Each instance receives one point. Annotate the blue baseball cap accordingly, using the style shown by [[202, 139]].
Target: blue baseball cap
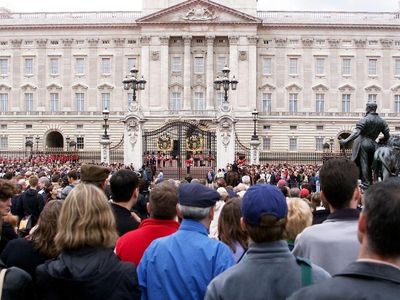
[[197, 195], [263, 199]]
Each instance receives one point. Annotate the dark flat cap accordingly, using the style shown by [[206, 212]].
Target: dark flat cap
[[197, 195], [94, 173]]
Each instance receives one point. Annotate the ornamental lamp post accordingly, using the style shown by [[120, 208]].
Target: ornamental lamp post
[[106, 114], [255, 119], [225, 83], [67, 139], [37, 139], [331, 140], [131, 82]]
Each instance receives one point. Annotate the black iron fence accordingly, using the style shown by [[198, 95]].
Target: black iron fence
[[54, 155], [312, 158]]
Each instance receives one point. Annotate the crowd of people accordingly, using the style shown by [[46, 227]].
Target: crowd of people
[[88, 231]]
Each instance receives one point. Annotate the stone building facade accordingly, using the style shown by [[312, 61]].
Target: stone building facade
[[309, 74]]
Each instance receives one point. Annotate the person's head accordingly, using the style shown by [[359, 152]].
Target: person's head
[[379, 221], [7, 190], [223, 193], [72, 176], [299, 217], [196, 201], [55, 178], [294, 192], [33, 181], [86, 220], [42, 182], [163, 201], [95, 175], [220, 182], [229, 230], [339, 182], [264, 212], [246, 179], [124, 185], [43, 236]]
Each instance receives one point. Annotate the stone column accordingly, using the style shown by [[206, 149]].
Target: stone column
[[133, 140], [145, 71], [251, 100], [15, 69], [42, 70], [187, 72], [93, 74], [67, 69], [255, 151], [105, 149], [225, 140], [164, 73], [233, 66], [210, 73]]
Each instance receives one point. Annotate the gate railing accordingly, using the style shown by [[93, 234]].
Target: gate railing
[[313, 158]]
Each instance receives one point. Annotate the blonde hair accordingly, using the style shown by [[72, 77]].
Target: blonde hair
[[86, 220], [299, 217]]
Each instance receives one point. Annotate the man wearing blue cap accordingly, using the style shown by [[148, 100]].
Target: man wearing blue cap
[[181, 265], [268, 270]]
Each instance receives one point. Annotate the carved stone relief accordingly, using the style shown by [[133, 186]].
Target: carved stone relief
[[280, 42], [155, 55], [199, 13], [225, 129], [242, 55], [132, 127]]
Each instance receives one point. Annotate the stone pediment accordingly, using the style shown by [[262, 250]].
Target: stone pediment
[[373, 88], [346, 87], [105, 86], [54, 86], [293, 87], [198, 11], [28, 86], [79, 86], [266, 87], [320, 87]]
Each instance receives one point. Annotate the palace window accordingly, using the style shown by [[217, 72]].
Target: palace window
[[346, 66], [199, 65], [293, 102], [4, 66], [319, 66], [346, 103], [28, 101], [176, 101], [266, 102], [319, 103], [372, 66], [372, 98], [176, 64], [80, 65], [293, 144], [105, 65], [132, 63], [105, 101], [54, 66], [267, 66], [80, 101], [3, 102], [397, 103], [80, 142], [28, 66], [54, 102], [198, 101], [397, 67], [319, 143], [266, 143], [293, 66]]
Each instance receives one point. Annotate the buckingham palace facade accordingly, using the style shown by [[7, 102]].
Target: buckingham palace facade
[[309, 74]]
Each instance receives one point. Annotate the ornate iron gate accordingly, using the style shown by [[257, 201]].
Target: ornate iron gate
[[180, 148], [242, 153]]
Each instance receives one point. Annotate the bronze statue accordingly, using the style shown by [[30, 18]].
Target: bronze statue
[[364, 135], [387, 159]]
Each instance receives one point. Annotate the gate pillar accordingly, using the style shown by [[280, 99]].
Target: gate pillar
[[133, 144], [225, 140]]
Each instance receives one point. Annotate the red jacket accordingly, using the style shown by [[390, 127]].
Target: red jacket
[[131, 246]]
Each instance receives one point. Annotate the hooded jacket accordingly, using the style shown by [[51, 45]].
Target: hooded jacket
[[30, 203], [88, 273]]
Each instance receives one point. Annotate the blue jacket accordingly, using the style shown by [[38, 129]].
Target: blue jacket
[[180, 266]]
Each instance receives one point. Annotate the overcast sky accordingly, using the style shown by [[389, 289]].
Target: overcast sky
[[124, 5]]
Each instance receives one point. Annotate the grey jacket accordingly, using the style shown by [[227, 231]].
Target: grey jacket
[[267, 271], [360, 280], [333, 244]]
